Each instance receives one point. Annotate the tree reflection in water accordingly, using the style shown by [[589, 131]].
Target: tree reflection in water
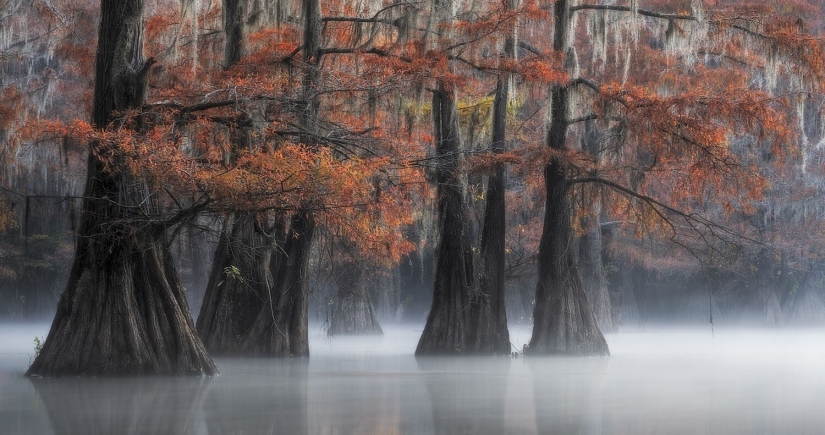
[[123, 406], [567, 393], [461, 402], [258, 396]]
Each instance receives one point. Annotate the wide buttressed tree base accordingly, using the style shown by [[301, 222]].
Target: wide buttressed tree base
[[563, 320], [123, 311], [239, 284], [447, 330], [280, 326], [256, 300]]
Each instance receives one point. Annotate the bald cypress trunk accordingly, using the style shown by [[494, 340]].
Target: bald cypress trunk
[[123, 311], [590, 246], [256, 301], [563, 321], [448, 322], [238, 284], [280, 327], [591, 268], [240, 280], [490, 334]]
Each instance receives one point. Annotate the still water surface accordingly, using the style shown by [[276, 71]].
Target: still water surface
[[696, 382]]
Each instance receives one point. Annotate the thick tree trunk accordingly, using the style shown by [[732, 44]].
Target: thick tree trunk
[[238, 285], [234, 24], [123, 311], [592, 273], [489, 334], [241, 280], [590, 246], [353, 313], [280, 327], [448, 323], [563, 321]]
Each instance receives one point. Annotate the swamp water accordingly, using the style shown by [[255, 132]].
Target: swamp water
[[695, 382]]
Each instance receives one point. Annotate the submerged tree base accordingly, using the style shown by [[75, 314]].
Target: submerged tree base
[[126, 315], [566, 325], [239, 285]]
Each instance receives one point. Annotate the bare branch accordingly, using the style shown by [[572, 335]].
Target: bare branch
[[643, 12]]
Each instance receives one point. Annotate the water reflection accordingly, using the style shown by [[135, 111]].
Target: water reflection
[[352, 395], [567, 394], [467, 395], [688, 382], [127, 406], [258, 396]]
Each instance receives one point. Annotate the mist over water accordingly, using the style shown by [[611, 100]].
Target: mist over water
[[731, 381]]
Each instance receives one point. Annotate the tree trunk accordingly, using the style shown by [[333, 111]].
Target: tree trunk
[[446, 330], [241, 279], [199, 266], [490, 334], [353, 313], [563, 321], [590, 245], [234, 25], [280, 326], [123, 311], [592, 273], [238, 285]]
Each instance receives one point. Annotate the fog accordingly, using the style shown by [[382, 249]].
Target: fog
[[725, 381]]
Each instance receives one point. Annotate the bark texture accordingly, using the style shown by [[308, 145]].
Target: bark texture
[[234, 25], [240, 280], [280, 326], [590, 244], [489, 334], [123, 311], [256, 299], [563, 321], [238, 286], [591, 268], [448, 322]]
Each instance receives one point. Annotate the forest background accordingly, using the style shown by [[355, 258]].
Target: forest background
[[376, 148]]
